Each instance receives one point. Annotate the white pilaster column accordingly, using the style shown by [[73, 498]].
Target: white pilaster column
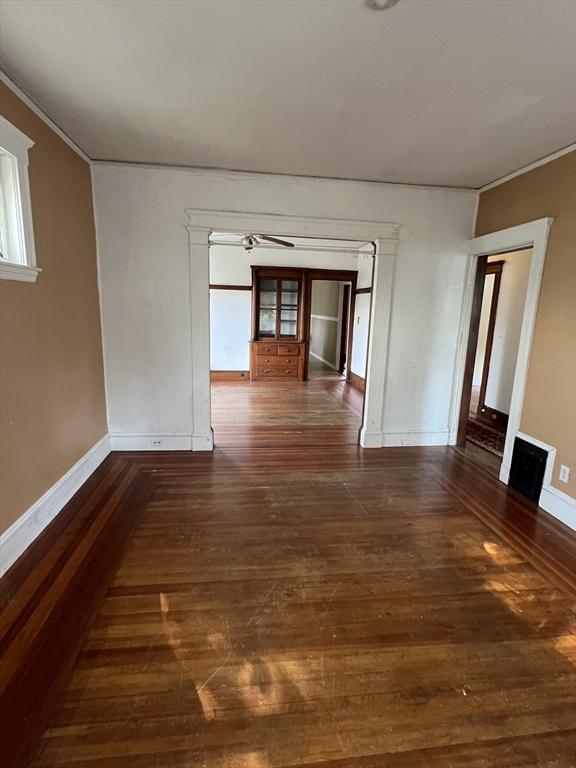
[[202, 435], [371, 434]]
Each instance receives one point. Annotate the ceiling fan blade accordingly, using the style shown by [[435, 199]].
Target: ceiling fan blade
[[276, 240]]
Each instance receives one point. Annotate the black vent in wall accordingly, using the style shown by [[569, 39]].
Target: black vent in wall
[[527, 470]]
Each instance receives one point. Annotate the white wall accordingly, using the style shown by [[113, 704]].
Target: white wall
[[360, 338], [230, 328], [325, 312], [231, 264], [483, 330], [507, 328], [145, 285]]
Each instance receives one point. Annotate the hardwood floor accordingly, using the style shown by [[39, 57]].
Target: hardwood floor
[[279, 605], [319, 370], [316, 412], [488, 461]]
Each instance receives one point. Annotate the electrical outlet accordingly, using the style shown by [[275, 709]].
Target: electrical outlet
[[564, 473], [157, 442]]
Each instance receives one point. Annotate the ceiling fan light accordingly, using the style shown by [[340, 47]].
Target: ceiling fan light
[[248, 242], [381, 5]]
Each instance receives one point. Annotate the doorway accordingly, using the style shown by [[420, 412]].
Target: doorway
[[382, 236], [494, 339], [330, 328], [281, 338]]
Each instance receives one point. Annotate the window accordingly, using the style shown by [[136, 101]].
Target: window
[[17, 255]]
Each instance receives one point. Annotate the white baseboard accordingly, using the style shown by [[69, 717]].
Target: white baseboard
[[415, 438], [322, 360], [370, 439], [203, 441], [122, 441], [387, 439], [560, 505], [22, 533]]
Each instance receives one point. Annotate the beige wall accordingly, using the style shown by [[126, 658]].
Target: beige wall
[[51, 379], [324, 302], [325, 299], [549, 412]]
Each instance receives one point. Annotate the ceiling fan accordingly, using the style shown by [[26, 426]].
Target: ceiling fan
[[249, 241]]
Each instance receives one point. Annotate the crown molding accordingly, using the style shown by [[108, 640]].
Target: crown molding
[[232, 173], [43, 116], [527, 168]]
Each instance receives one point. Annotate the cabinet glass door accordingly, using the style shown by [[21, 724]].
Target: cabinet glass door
[[277, 307], [288, 308], [268, 291]]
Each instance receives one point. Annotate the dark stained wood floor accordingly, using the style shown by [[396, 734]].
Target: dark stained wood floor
[[280, 606]]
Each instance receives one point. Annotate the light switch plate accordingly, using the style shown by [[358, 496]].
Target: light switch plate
[[564, 473]]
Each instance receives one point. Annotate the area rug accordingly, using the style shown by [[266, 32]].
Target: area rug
[[485, 437]]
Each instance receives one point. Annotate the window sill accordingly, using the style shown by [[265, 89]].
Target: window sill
[[22, 272]]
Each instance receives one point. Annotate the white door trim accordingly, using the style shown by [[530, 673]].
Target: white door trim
[[533, 234], [384, 234]]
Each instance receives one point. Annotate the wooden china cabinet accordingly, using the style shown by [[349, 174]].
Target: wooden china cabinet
[[278, 347]]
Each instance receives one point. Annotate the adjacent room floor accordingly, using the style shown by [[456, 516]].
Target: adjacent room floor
[[484, 445], [283, 605], [316, 412]]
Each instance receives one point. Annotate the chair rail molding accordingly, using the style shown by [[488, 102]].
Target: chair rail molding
[[384, 235], [532, 234]]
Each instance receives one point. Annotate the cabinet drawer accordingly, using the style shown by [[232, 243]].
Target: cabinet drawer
[[286, 360], [267, 372], [288, 349], [266, 349]]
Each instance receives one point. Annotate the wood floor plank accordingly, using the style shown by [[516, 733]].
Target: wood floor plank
[[280, 605]]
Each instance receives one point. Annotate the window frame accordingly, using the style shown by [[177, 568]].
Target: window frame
[[14, 147]]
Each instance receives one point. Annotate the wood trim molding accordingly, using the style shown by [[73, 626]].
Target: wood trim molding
[[21, 243], [24, 273], [20, 535], [533, 234], [493, 418], [199, 256], [363, 290], [372, 434], [229, 375], [291, 225], [341, 276], [219, 287], [358, 382], [43, 116], [384, 235], [527, 168]]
